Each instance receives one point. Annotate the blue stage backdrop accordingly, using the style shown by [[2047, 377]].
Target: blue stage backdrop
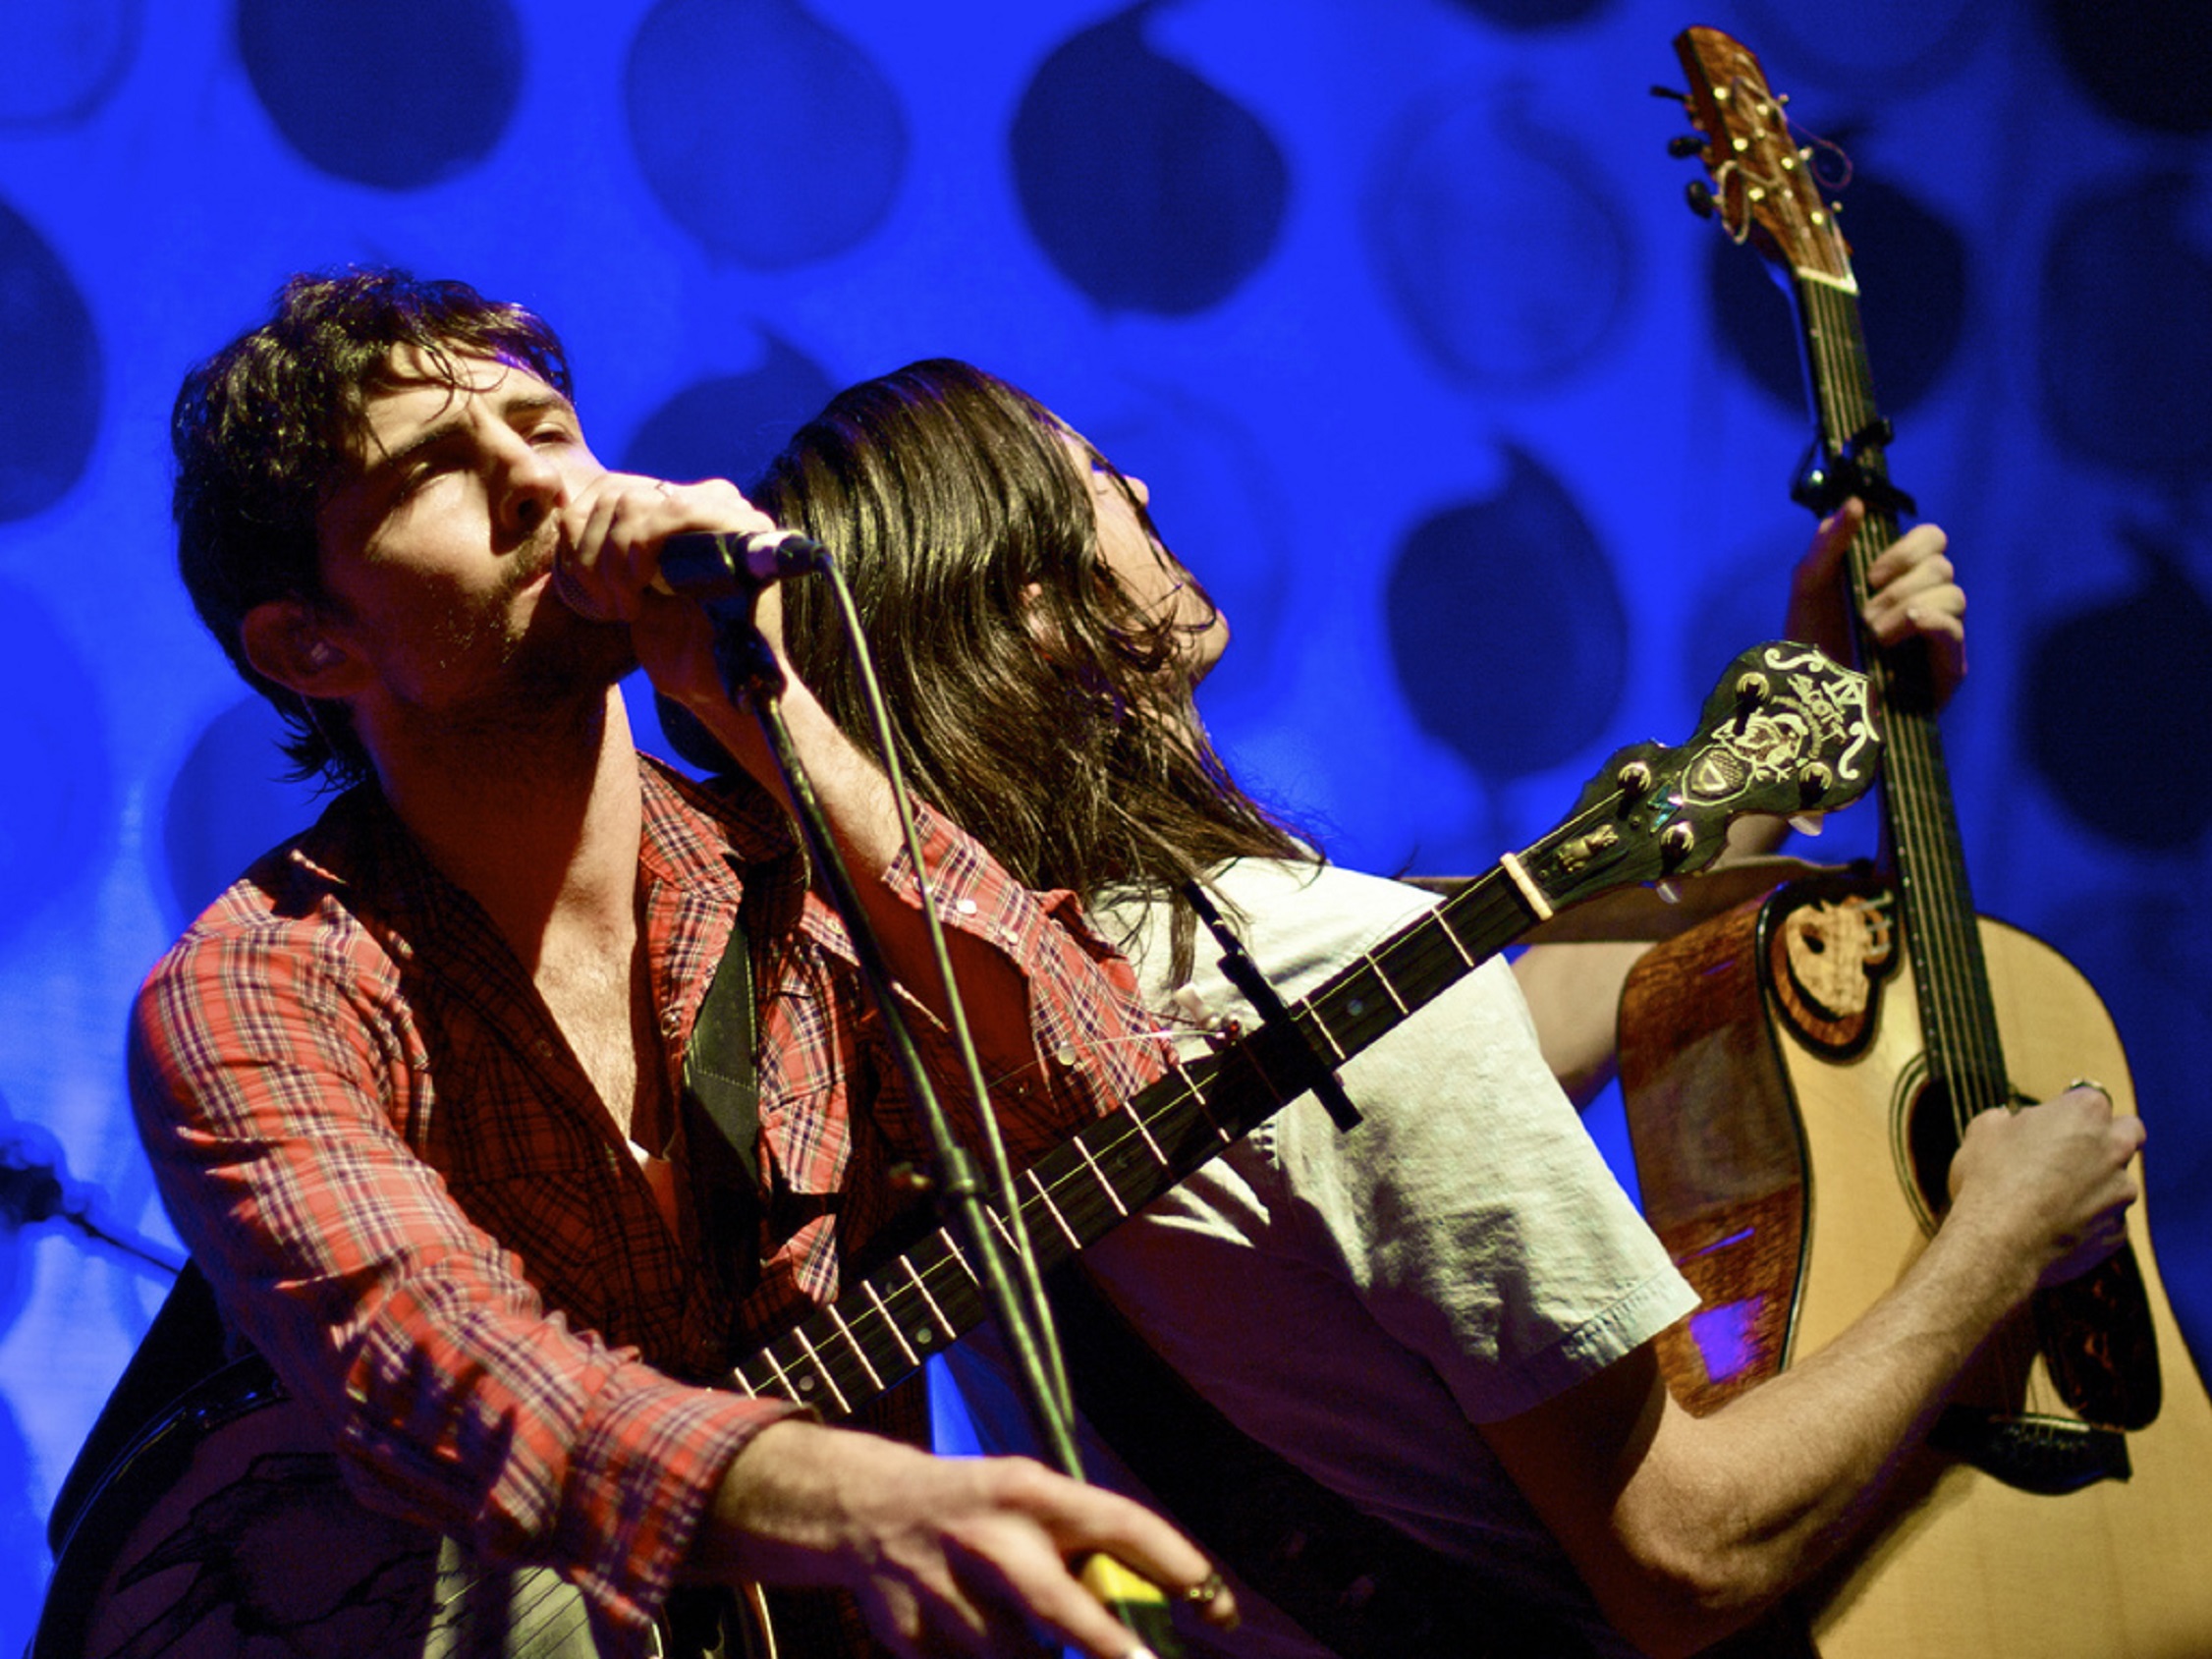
[[1482, 440]]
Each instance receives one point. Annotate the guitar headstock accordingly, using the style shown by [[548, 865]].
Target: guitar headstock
[[1762, 183], [1785, 730]]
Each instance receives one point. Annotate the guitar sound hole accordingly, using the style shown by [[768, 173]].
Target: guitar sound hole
[[1931, 1141]]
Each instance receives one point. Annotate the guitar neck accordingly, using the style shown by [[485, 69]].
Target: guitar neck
[[1943, 936], [883, 1328]]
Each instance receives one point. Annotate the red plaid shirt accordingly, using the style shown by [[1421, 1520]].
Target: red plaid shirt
[[387, 1160]]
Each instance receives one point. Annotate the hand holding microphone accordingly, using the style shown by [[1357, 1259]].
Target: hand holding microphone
[[686, 566], [622, 537]]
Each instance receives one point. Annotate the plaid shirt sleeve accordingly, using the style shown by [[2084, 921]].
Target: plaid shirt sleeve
[[270, 1064], [1090, 1044]]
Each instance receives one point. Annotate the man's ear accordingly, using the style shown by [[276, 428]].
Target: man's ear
[[287, 642]]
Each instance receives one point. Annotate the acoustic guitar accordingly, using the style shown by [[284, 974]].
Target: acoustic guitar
[[225, 1531], [1797, 1075]]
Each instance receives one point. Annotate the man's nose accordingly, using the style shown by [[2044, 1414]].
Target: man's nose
[[530, 485]]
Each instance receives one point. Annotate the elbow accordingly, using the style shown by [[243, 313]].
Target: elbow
[[1684, 1592]]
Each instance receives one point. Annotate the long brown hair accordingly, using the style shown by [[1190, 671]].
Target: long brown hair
[[1032, 697]]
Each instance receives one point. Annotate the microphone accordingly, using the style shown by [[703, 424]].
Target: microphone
[[707, 565], [30, 1190]]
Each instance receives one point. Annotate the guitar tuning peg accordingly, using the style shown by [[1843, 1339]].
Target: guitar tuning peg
[[1669, 92], [1701, 197], [1685, 145]]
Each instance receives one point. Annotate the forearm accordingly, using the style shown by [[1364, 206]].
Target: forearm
[[2042, 1193], [1740, 1507], [1755, 835], [1573, 994]]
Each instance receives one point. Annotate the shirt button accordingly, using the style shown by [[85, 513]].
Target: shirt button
[[668, 1020], [966, 907], [1067, 1054]]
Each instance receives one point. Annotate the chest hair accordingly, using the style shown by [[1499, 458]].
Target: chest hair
[[602, 1002]]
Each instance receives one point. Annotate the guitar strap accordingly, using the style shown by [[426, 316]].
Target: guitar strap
[[721, 1106], [1352, 1583]]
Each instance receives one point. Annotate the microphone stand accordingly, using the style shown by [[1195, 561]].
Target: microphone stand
[[32, 1190], [752, 677]]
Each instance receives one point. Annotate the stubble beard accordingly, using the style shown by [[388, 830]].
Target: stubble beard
[[547, 673]]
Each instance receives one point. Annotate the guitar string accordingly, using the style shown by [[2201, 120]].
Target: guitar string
[[1852, 410], [1960, 1030], [1844, 396], [1939, 959]]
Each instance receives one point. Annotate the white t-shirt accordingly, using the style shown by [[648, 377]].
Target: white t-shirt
[[1358, 1302]]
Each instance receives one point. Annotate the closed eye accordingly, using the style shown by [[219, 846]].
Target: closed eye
[[422, 473]]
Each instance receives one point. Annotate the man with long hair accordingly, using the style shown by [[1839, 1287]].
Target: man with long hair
[[419, 1090], [1443, 1316]]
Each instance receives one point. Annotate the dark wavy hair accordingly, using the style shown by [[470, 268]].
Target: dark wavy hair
[[263, 432], [1032, 697]]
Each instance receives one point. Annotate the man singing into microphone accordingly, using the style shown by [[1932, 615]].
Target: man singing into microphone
[[415, 1087]]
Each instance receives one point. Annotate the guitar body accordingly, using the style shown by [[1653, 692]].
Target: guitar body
[[225, 1531], [1774, 1074]]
